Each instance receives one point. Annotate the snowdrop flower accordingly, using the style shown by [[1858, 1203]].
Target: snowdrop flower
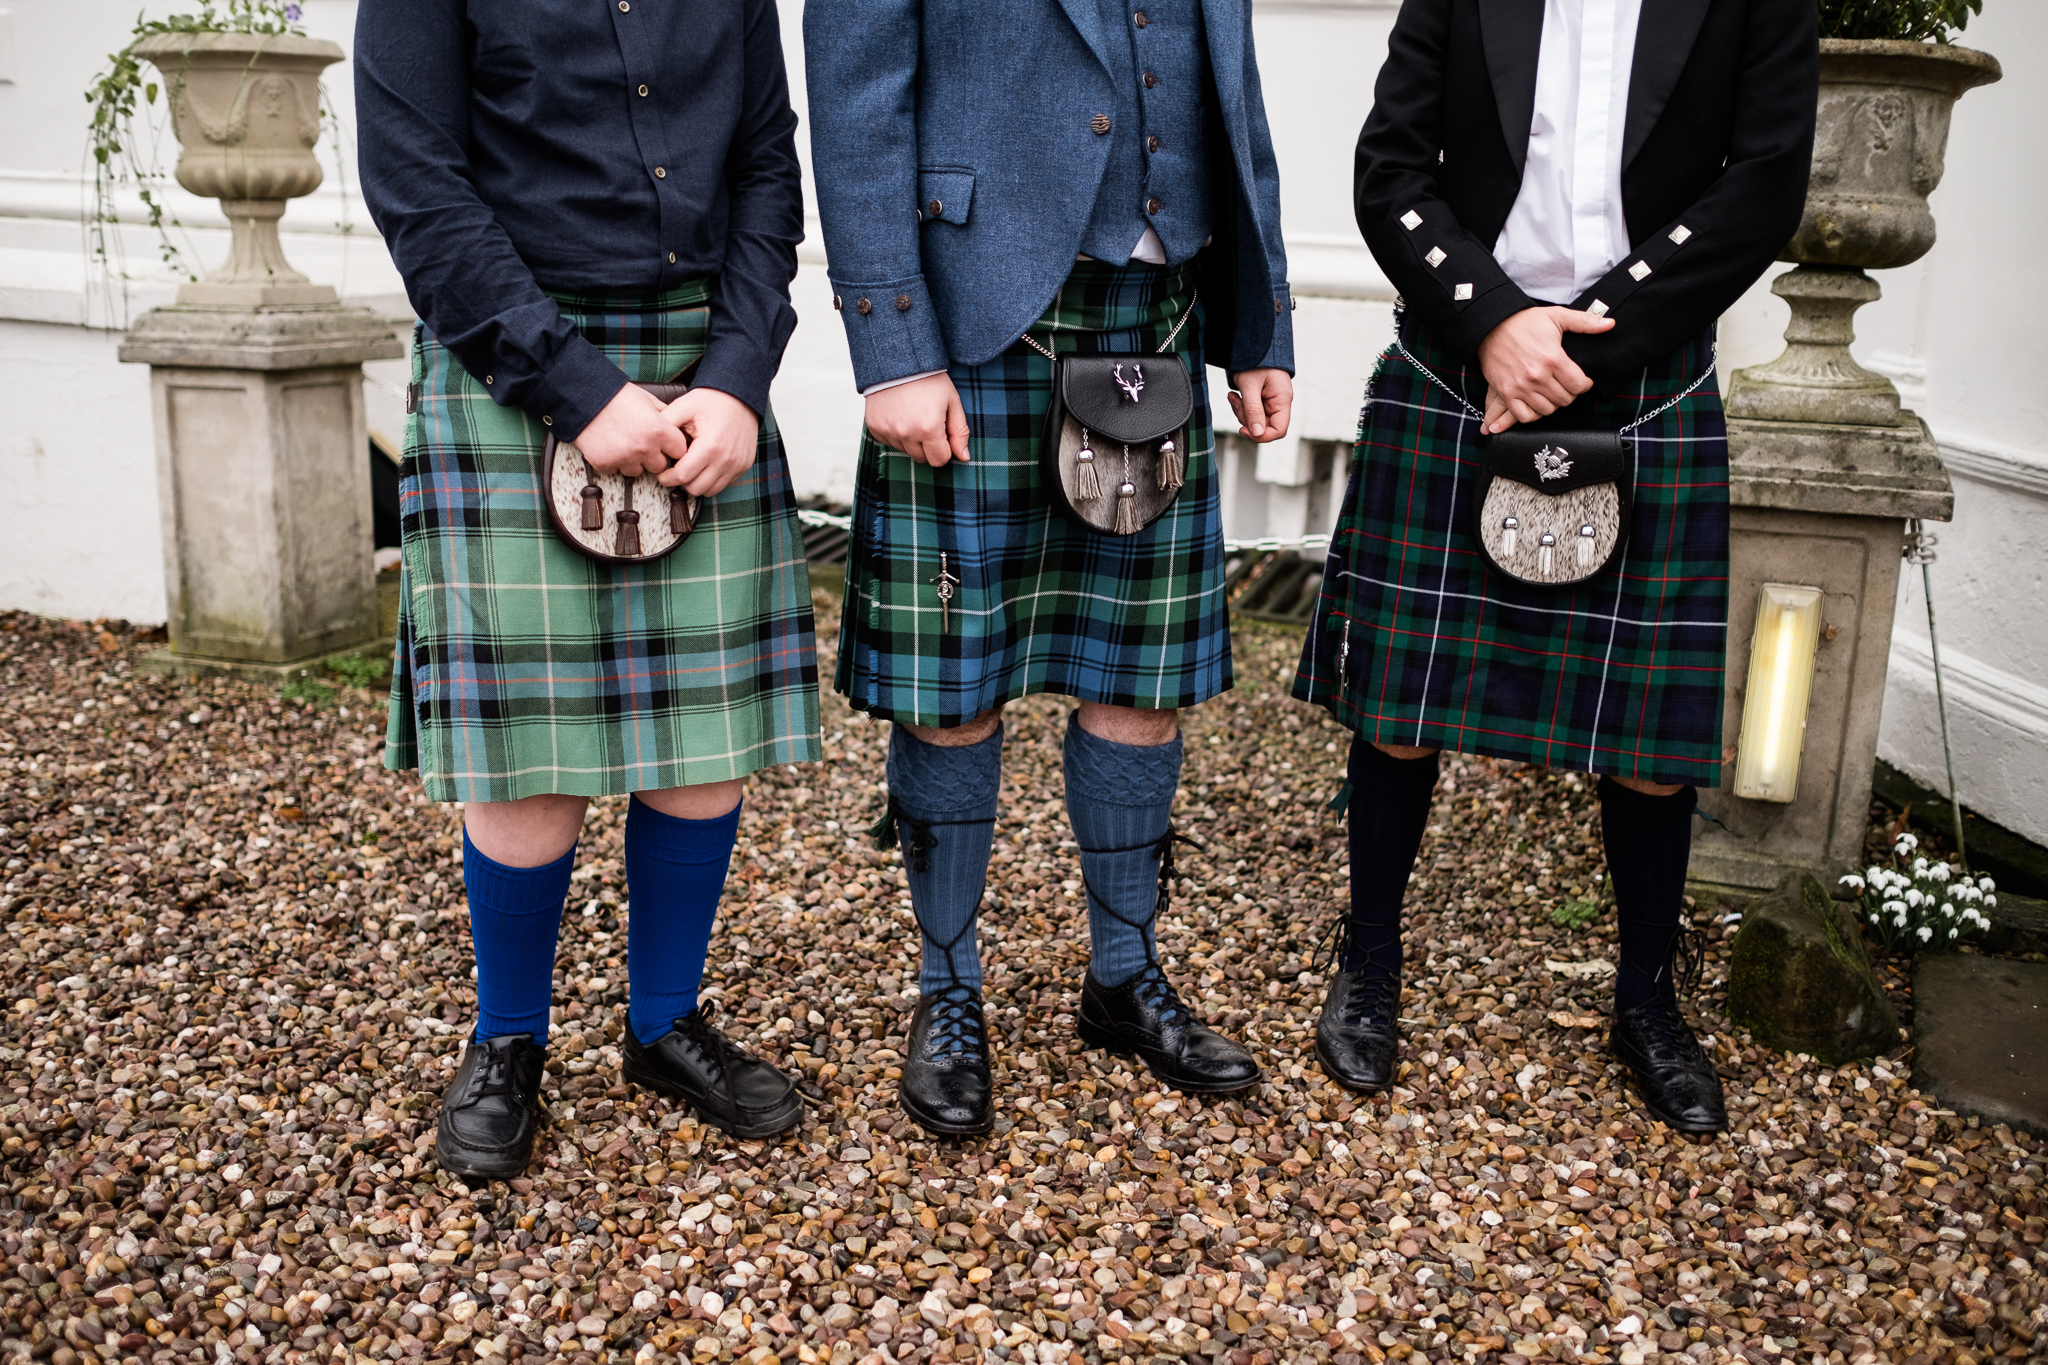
[[1951, 933], [1991, 902], [1895, 907], [1914, 898], [1874, 873], [1986, 884], [1948, 910], [1925, 933], [1853, 882], [1900, 922], [1939, 871], [1919, 867]]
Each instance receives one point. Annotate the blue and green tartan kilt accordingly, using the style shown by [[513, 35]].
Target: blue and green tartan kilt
[[1418, 640], [1043, 605], [523, 667]]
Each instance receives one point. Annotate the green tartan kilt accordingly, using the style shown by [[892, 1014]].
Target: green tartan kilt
[[523, 667], [1418, 640], [1042, 604]]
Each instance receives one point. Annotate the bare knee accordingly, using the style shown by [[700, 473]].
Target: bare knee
[[701, 801], [529, 832], [1404, 750], [958, 736], [1128, 724]]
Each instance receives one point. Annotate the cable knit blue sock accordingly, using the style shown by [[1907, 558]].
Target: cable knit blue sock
[[945, 817], [515, 914], [1119, 797], [675, 873]]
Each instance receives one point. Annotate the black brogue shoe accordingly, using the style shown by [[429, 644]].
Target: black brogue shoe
[[946, 1083], [1357, 1036], [1677, 1082], [1144, 1017]]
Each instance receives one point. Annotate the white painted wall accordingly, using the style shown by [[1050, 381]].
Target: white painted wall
[[1960, 331]]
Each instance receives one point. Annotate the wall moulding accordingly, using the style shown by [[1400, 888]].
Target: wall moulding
[[2003, 466]]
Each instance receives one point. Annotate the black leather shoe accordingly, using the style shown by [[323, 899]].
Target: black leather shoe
[[730, 1089], [491, 1109], [1677, 1083], [1145, 1017], [946, 1085], [1357, 1035]]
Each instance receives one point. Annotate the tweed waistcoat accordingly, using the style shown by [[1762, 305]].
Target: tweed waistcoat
[[1158, 56]]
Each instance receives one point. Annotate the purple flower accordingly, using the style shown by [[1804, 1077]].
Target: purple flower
[[292, 11]]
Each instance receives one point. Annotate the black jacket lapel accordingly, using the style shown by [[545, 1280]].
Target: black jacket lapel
[[1664, 38], [1511, 31]]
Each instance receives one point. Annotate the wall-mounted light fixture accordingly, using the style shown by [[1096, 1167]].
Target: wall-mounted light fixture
[[1781, 654]]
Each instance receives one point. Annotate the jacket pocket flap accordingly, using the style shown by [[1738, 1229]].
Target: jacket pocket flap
[[945, 195]]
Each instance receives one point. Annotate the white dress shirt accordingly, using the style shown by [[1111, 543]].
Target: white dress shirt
[[1567, 229]]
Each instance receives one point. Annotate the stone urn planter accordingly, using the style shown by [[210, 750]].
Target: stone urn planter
[[246, 110], [1877, 154]]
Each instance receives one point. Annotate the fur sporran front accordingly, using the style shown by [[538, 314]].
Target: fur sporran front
[[1553, 508], [609, 517]]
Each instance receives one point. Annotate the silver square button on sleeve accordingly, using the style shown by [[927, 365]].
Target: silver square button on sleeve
[[1435, 256]]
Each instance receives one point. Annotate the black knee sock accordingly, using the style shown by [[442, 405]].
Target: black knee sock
[[1649, 842], [1389, 811]]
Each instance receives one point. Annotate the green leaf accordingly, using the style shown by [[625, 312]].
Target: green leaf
[[149, 93]]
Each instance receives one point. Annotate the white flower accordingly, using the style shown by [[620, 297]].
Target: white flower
[[1853, 882], [1895, 907], [1986, 884], [1919, 867], [1874, 873], [1951, 933], [1900, 922], [1925, 933], [1948, 910], [1939, 871], [1914, 898], [1991, 902]]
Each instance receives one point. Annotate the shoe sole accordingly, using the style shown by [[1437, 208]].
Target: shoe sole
[[1095, 1036], [1330, 1070], [932, 1125], [748, 1131]]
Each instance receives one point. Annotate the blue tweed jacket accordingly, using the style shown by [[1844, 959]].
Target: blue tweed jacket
[[989, 109]]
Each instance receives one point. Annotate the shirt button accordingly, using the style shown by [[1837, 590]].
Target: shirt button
[[863, 307], [1100, 123], [1150, 80], [661, 172], [643, 92], [623, 6], [1154, 143], [903, 303], [547, 421], [1152, 206], [490, 379], [1139, 19], [934, 208], [671, 258]]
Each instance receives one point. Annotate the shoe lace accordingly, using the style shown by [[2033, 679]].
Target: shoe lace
[[1665, 1038], [955, 1021], [1378, 997], [1157, 994], [496, 1075], [720, 1053]]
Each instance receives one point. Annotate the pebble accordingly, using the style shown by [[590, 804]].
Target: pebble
[[237, 980]]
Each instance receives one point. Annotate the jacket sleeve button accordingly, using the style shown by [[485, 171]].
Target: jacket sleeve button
[[934, 208], [1279, 305], [863, 307], [903, 303], [837, 303], [1100, 123]]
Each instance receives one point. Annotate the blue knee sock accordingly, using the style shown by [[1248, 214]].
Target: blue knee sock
[[675, 873], [1120, 801], [515, 914], [945, 802]]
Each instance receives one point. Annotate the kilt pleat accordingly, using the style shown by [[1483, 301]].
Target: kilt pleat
[[1043, 605], [1418, 640], [524, 668]]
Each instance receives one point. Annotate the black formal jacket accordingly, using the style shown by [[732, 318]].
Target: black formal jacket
[[1717, 147]]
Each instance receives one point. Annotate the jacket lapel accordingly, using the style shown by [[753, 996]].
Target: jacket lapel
[[1664, 38], [1087, 17], [1511, 31]]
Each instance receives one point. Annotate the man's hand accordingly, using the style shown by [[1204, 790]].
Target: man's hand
[[923, 419], [1264, 404], [631, 435], [1528, 375], [722, 432]]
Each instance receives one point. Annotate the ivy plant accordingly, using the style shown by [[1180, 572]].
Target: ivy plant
[[125, 145], [1917, 21]]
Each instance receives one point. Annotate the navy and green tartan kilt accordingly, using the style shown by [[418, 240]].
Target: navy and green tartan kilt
[[1043, 605], [1418, 640], [524, 668]]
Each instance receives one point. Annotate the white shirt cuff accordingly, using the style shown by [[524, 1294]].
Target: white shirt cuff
[[874, 389]]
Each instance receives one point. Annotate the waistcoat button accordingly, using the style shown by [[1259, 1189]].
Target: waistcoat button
[[1150, 80], [1139, 19], [1152, 206]]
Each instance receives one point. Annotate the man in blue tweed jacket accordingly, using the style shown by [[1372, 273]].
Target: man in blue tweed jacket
[[1000, 181]]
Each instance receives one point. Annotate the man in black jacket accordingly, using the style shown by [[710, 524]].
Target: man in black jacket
[[1567, 193]]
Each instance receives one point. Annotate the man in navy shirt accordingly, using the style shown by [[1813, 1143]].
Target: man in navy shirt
[[584, 198]]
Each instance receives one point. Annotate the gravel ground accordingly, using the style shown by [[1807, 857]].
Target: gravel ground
[[237, 979]]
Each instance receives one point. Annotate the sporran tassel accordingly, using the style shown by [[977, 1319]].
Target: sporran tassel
[[678, 511], [1127, 509], [1087, 480], [626, 545], [593, 507], [1508, 527], [1544, 558], [1172, 468], [1585, 547]]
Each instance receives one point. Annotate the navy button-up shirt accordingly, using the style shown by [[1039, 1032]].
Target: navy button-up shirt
[[512, 148]]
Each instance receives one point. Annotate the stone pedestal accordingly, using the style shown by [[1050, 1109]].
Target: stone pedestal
[[1823, 505], [264, 482]]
